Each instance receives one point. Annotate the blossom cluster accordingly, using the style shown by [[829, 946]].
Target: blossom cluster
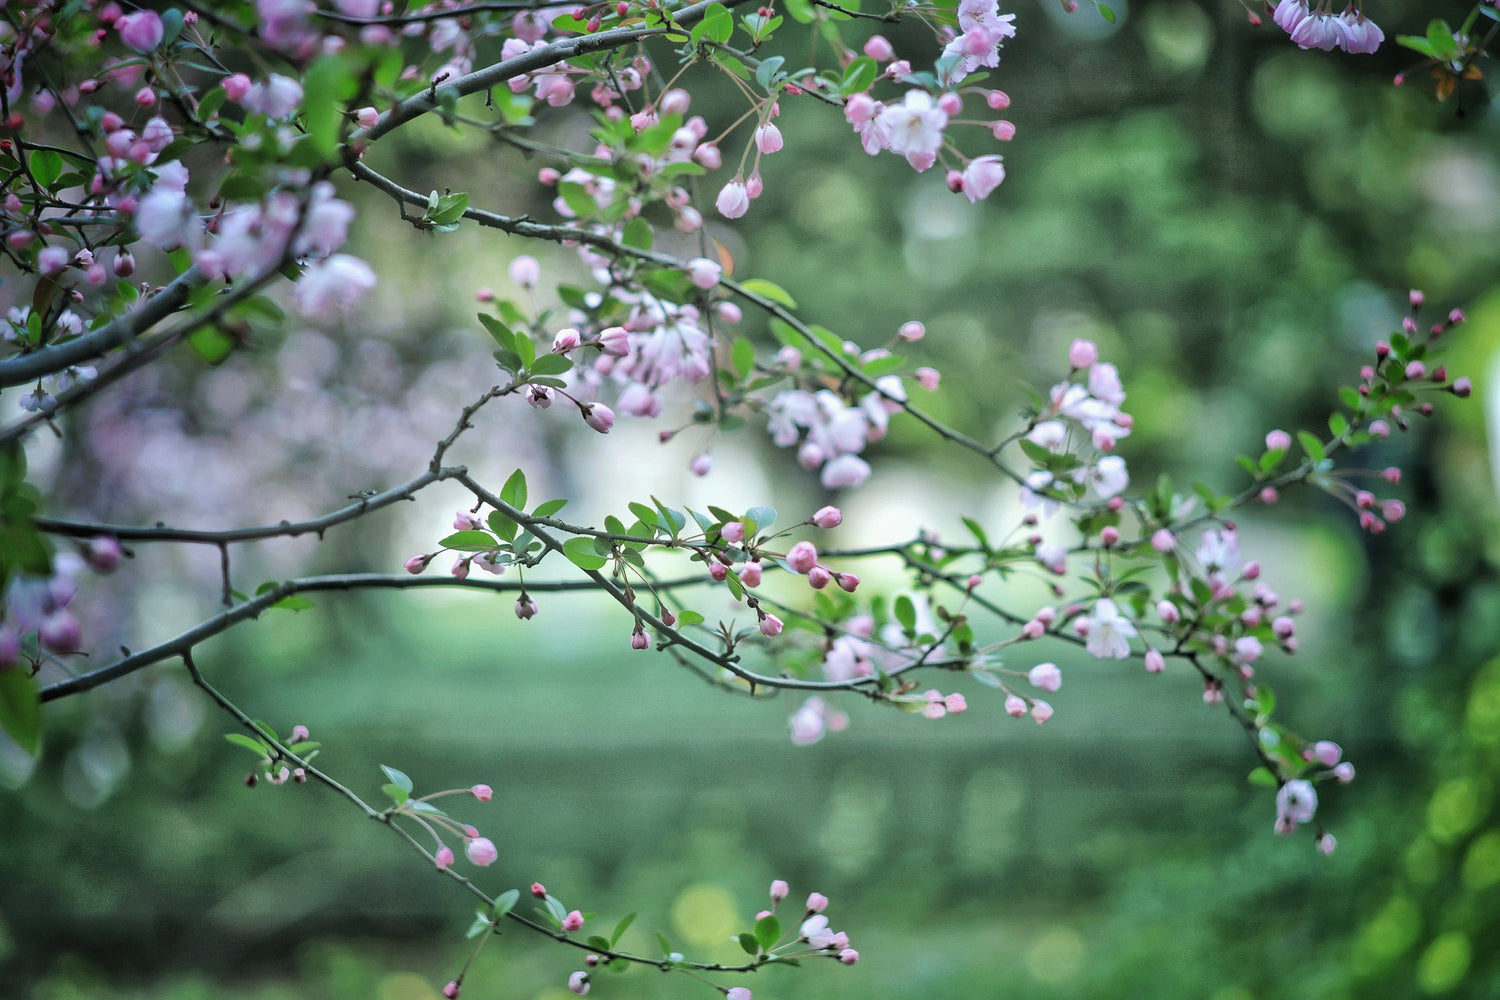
[[1318, 28], [36, 615]]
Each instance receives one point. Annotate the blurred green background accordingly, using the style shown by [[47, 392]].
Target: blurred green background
[[1233, 220]]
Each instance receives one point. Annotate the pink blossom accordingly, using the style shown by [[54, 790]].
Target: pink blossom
[[703, 273], [928, 378], [982, 175], [1296, 801], [1163, 540], [1278, 440], [817, 903], [578, 982], [638, 639], [1155, 662], [481, 851], [1247, 648], [779, 890], [819, 577], [802, 557], [877, 47], [844, 471], [483, 792], [1041, 711], [1344, 772], [416, 564], [1109, 631], [915, 127], [1326, 842], [573, 921], [1015, 705], [734, 200], [750, 574], [737, 993], [768, 138], [525, 271], [277, 97], [598, 416], [1082, 354], [912, 331], [1327, 752], [702, 464], [451, 990], [332, 285], [1045, 676], [444, 857], [828, 517], [848, 956], [538, 890], [142, 30]]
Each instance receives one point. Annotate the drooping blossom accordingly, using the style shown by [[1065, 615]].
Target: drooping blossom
[[1109, 632]]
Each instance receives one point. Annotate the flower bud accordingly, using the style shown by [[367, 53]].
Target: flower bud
[[802, 557], [770, 626], [1082, 354], [828, 517], [578, 982], [481, 851], [573, 921], [444, 857], [451, 990], [779, 890], [598, 416], [819, 577], [817, 903]]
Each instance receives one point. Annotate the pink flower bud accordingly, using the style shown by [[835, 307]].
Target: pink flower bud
[[538, 890], [704, 273], [819, 577], [848, 956], [103, 553], [444, 857], [1015, 705], [827, 517], [877, 47], [481, 851], [817, 903], [1155, 662], [1041, 711], [733, 200], [750, 574], [567, 339], [1415, 297], [573, 921], [847, 582], [299, 733], [1167, 612], [1082, 354], [1278, 440], [1045, 676], [1344, 772], [675, 102], [753, 186], [1163, 540], [1003, 130], [768, 139], [737, 993], [1269, 495], [417, 564], [770, 626], [912, 331], [1456, 316], [1461, 387], [779, 890], [732, 532], [1415, 369], [1326, 843], [1327, 752], [718, 571], [1379, 429], [598, 416], [638, 640], [483, 792], [1109, 536], [142, 30], [578, 982], [451, 990], [802, 557]]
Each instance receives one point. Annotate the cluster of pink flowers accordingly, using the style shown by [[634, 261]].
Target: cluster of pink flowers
[[479, 850], [813, 931], [1317, 27], [1083, 417], [830, 433], [36, 619]]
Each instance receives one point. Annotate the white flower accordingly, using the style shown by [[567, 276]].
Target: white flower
[[1297, 801], [1109, 632]]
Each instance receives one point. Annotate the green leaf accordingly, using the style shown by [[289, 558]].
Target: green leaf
[[859, 76], [498, 330], [905, 612], [328, 83], [504, 903], [717, 25], [292, 603], [397, 778], [46, 166], [397, 794], [580, 552], [768, 290], [514, 490], [472, 540], [644, 514], [801, 10], [767, 70], [1440, 38], [253, 745], [749, 944], [1311, 445], [763, 517], [767, 931], [1106, 12], [638, 233], [211, 344], [1338, 424], [620, 929], [743, 356], [502, 525], [550, 364], [549, 507], [689, 618]]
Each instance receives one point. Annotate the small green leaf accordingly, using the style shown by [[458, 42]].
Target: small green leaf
[[767, 931], [1106, 12], [768, 290], [905, 612], [580, 552], [502, 525], [620, 929], [504, 903], [550, 364], [397, 794], [763, 517], [549, 507], [292, 603], [472, 540], [1311, 446], [1338, 424], [749, 944], [689, 618], [46, 166], [21, 709], [253, 745], [514, 490], [743, 356], [397, 778], [859, 76], [638, 233]]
